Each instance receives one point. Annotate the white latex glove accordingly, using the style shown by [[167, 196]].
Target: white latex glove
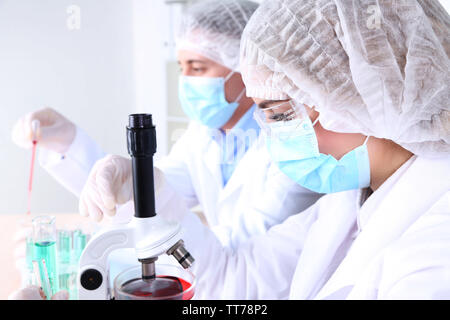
[[109, 185], [55, 133], [36, 293]]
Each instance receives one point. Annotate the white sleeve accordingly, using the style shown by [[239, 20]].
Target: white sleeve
[[281, 198], [176, 168], [261, 268], [72, 168]]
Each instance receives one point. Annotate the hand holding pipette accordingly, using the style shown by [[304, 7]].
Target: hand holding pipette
[[56, 133]]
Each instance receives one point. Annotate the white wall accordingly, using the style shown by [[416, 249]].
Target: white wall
[[156, 55], [86, 74]]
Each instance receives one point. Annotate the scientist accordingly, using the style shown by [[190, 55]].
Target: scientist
[[220, 163], [366, 101]]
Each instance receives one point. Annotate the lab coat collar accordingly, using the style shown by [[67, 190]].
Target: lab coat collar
[[366, 207], [211, 154], [241, 171], [212, 159], [404, 198], [324, 239]]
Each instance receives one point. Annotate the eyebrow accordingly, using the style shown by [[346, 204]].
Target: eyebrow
[[196, 61], [193, 61]]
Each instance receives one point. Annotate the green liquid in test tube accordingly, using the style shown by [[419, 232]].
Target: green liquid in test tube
[[79, 243], [66, 281], [44, 239]]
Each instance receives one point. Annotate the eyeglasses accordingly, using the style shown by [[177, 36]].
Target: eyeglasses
[[287, 117]]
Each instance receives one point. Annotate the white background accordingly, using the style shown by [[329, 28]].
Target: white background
[[114, 65], [446, 4]]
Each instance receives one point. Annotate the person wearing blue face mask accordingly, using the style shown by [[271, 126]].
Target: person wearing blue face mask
[[213, 97], [203, 99], [315, 171]]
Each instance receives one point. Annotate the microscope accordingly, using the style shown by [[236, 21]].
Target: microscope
[[148, 233]]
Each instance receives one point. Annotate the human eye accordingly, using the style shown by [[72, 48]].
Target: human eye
[[282, 116]]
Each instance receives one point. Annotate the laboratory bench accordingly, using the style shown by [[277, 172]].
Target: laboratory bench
[[10, 278]]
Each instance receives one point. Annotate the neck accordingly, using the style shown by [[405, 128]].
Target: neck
[[244, 105], [385, 158]]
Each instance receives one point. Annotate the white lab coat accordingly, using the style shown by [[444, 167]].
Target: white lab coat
[[395, 246], [256, 197]]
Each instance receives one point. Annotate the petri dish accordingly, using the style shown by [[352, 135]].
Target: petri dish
[[171, 283]]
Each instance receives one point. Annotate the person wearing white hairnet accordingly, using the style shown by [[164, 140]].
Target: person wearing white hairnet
[[220, 163], [354, 98]]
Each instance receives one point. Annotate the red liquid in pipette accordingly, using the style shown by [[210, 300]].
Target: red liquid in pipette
[[30, 181]]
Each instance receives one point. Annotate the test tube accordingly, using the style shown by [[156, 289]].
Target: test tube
[[44, 239], [79, 243], [37, 274], [37, 277], [64, 254], [64, 245], [46, 279]]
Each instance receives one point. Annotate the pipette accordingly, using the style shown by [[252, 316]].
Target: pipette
[[34, 127], [48, 290], [37, 274]]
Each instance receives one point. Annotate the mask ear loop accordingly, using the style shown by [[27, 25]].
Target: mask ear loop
[[229, 76], [365, 141], [315, 121], [239, 97]]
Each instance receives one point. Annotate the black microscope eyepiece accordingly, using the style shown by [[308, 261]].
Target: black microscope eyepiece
[[141, 143], [141, 135], [140, 121]]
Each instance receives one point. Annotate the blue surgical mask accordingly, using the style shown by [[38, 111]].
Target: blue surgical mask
[[292, 140], [203, 100], [297, 158]]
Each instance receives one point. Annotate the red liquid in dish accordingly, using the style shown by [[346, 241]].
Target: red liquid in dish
[[160, 287]]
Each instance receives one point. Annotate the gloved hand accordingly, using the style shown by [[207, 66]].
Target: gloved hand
[[36, 293], [55, 133], [110, 184]]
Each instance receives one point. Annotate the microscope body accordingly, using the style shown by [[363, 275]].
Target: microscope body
[[151, 237], [148, 233]]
